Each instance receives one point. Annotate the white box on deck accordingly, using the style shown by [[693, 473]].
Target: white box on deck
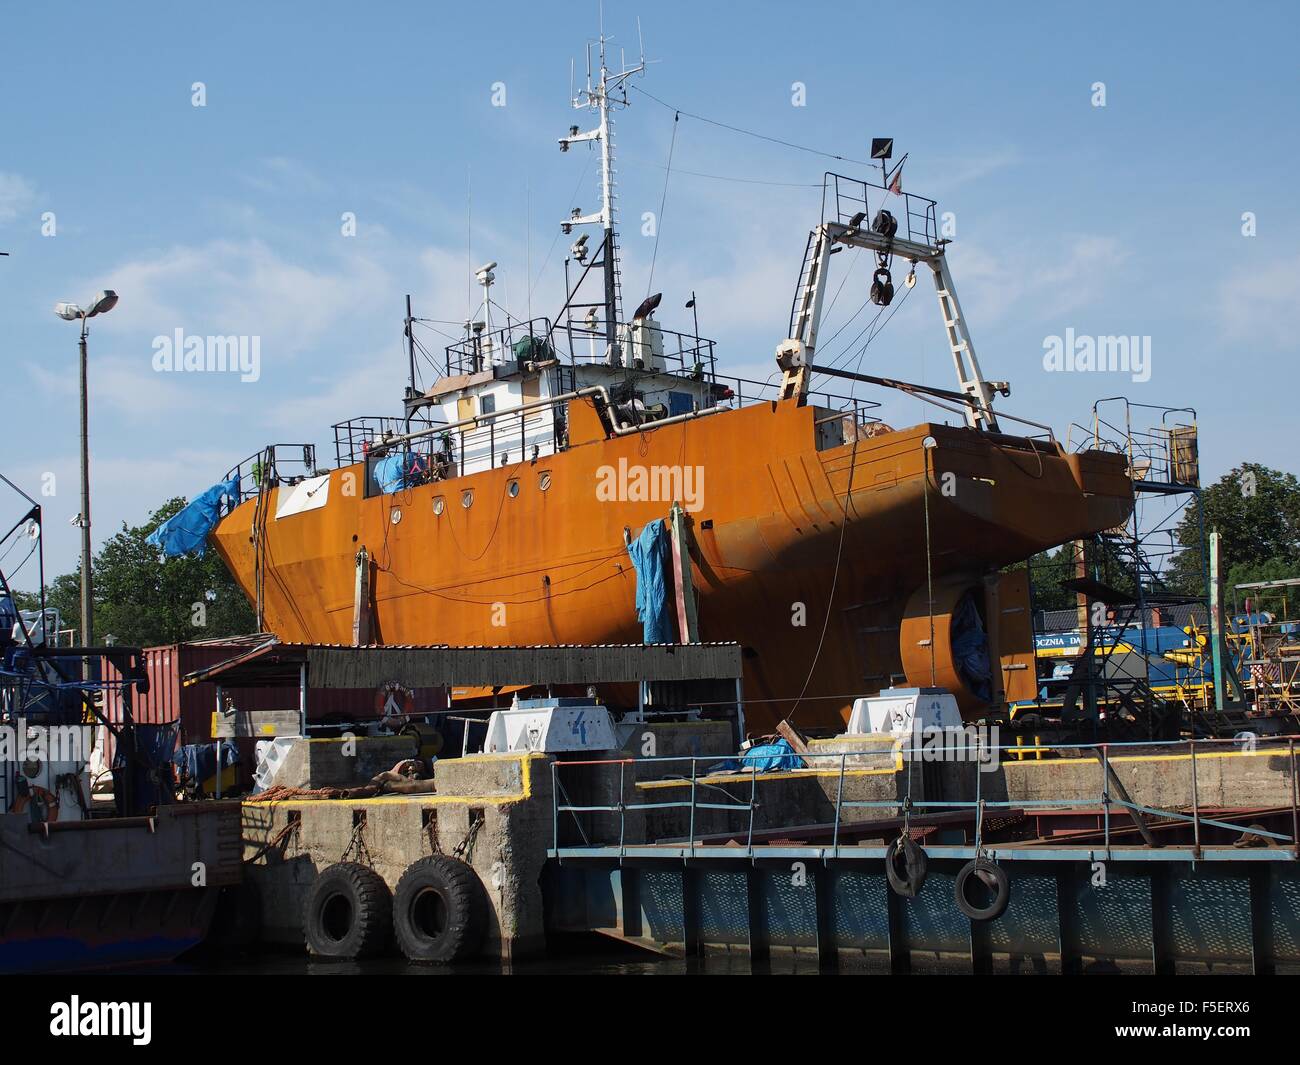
[[903, 710], [550, 726], [644, 344]]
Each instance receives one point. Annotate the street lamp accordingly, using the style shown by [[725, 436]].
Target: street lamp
[[70, 312]]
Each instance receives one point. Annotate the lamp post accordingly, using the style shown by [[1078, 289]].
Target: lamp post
[[70, 312]]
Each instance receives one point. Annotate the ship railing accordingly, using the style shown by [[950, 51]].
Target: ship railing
[[502, 438], [510, 435], [448, 450], [735, 791], [273, 465], [745, 392], [845, 197], [1162, 452], [685, 355], [573, 342], [516, 341], [355, 438]]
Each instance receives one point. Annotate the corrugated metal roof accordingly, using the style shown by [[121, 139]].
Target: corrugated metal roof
[[342, 666]]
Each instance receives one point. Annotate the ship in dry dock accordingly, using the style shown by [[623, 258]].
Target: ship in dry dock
[[502, 504]]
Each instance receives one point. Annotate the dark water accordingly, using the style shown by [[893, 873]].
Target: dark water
[[594, 957]]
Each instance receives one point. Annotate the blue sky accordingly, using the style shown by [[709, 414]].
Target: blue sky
[[226, 219]]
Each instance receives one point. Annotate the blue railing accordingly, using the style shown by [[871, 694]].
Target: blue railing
[[1106, 798]]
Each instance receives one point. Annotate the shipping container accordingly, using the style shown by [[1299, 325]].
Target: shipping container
[[168, 701]]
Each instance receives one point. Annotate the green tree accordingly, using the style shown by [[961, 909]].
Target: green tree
[[26, 600], [64, 595], [143, 599], [1257, 513], [1047, 570]]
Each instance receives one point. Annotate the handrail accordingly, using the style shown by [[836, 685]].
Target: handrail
[[1105, 799]]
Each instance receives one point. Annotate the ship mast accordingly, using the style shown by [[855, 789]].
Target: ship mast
[[609, 90]]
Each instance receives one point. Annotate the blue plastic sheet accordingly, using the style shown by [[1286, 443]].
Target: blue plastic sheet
[[769, 757], [390, 472], [970, 649], [186, 533], [197, 761], [146, 780], [649, 553]]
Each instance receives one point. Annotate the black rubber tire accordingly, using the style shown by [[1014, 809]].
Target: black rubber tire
[[440, 911], [906, 877], [349, 913], [993, 877]]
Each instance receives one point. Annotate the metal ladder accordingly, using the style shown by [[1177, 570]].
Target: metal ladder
[[805, 310], [814, 263], [980, 415]]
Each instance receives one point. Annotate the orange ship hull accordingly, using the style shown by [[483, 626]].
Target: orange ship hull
[[814, 560]]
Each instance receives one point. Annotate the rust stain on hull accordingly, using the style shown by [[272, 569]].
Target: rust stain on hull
[[550, 565]]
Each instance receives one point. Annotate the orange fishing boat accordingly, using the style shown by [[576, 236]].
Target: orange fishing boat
[[844, 556]]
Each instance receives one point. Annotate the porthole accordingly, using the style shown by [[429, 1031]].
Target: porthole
[[544, 480], [439, 505], [467, 498], [512, 489]]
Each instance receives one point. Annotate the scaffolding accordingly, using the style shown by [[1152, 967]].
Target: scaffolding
[[1268, 630], [1140, 666]]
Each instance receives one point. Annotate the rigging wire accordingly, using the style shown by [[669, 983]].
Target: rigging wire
[[730, 177], [12, 544], [750, 132], [663, 199], [556, 239], [850, 347], [835, 577], [872, 330], [857, 252], [844, 522], [30, 551]]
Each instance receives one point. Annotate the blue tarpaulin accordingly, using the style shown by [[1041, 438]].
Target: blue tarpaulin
[[187, 532], [146, 779], [970, 649], [390, 472], [197, 761], [770, 757], [649, 553]]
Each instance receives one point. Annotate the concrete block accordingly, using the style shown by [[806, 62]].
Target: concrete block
[[506, 796], [860, 752], [342, 763]]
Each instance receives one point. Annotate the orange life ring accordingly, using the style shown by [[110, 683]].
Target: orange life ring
[[48, 798], [398, 693]]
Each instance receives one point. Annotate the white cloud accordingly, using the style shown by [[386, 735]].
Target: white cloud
[[16, 195], [954, 171], [1257, 304], [1034, 284], [242, 288], [129, 386], [282, 175]]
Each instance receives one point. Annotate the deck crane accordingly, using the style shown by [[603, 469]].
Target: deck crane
[[795, 355]]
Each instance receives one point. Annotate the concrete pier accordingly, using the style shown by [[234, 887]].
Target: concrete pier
[[492, 811], [498, 812]]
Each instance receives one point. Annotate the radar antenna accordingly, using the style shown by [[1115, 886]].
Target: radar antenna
[[602, 94]]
